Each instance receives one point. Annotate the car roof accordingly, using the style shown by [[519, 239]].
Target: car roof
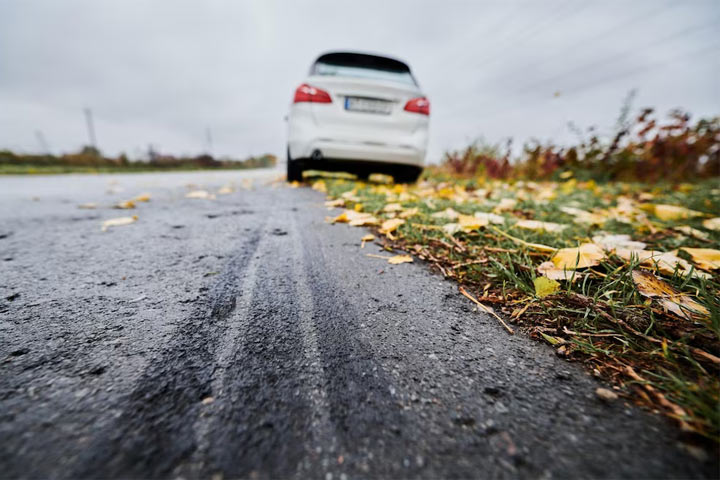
[[366, 60]]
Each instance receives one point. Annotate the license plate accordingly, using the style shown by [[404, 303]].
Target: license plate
[[368, 105]]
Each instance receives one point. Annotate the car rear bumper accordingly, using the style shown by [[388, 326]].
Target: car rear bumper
[[360, 151]]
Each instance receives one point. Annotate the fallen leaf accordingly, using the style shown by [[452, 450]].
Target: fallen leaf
[[583, 216], [506, 204], [392, 207], [389, 226], [226, 190], [339, 202], [670, 213], [692, 232], [545, 286], [452, 228], [410, 212], [705, 258], [143, 197], [611, 242], [490, 218], [400, 259], [368, 238], [712, 224], [200, 194], [126, 205], [118, 222], [447, 213], [540, 226], [665, 262], [680, 304], [586, 255], [320, 186], [549, 270], [88, 206], [471, 222]]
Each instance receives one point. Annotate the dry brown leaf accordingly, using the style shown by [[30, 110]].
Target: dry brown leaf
[[705, 258], [586, 255], [680, 304]]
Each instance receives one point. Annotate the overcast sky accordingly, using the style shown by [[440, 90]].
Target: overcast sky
[[162, 72]]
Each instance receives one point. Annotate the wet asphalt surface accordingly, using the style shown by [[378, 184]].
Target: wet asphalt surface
[[245, 337]]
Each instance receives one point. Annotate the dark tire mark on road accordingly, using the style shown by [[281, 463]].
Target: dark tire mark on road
[[263, 425], [155, 430]]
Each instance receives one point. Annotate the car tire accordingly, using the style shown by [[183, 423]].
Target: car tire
[[294, 169], [406, 174]]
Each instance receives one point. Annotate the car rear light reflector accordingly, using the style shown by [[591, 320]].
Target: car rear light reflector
[[308, 93], [418, 105]]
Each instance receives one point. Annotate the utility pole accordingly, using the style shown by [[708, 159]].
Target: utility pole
[[208, 139], [43, 143], [90, 128]]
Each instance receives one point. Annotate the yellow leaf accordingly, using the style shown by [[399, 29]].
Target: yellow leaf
[[368, 238], [143, 197], [586, 255], [470, 222], [320, 186], [400, 259], [540, 226], [118, 222], [712, 223], [669, 213], [358, 207], [410, 212], [126, 205], [545, 286], [342, 218], [338, 202], [389, 226], [705, 258], [653, 287], [392, 207]]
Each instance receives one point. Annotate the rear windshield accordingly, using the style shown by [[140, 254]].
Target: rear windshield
[[363, 66]]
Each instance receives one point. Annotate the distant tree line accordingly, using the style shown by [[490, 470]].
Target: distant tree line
[[90, 158]]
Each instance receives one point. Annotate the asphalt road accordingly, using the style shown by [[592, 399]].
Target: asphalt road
[[245, 337]]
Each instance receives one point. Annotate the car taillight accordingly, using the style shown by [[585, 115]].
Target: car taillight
[[308, 93], [418, 105]]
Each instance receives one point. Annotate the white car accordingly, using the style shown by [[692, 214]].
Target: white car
[[359, 113]]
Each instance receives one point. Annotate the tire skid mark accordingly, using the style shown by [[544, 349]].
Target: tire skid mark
[[369, 422], [262, 426], [324, 444], [154, 431]]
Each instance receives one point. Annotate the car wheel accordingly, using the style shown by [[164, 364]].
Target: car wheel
[[406, 174], [294, 169]]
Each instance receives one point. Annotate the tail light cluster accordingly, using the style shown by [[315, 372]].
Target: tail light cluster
[[308, 93], [418, 105]]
